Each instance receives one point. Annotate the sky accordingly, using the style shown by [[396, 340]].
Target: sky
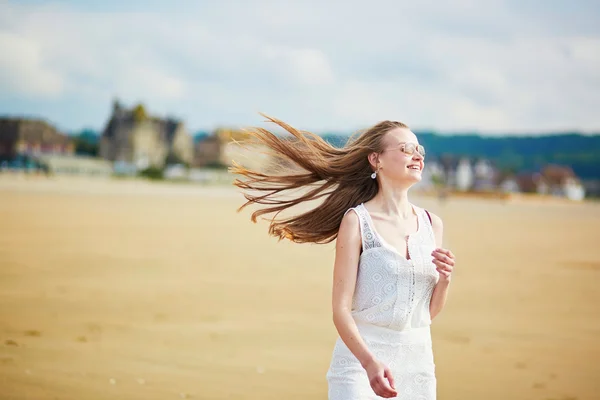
[[519, 66]]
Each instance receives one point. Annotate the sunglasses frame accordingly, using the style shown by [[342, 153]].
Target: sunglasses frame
[[415, 147]]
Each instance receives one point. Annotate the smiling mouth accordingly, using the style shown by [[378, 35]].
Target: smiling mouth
[[415, 167]]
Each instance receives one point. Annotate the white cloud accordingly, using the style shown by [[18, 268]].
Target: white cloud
[[304, 66], [22, 68], [144, 81], [462, 65]]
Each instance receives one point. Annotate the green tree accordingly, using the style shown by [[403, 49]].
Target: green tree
[[86, 143], [153, 173]]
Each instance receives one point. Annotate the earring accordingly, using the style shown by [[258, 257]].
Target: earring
[[374, 174]]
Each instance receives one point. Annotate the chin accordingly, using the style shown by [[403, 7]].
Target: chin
[[414, 181], [416, 177]]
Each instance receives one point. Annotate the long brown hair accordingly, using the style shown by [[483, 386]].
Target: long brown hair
[[341, 176]]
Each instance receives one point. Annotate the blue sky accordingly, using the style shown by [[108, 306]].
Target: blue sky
[[493, 67]]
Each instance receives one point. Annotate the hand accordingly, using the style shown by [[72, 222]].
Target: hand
[[444, 262], [381, 380]]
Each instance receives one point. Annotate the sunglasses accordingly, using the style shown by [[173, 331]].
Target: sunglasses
[[410, 148]]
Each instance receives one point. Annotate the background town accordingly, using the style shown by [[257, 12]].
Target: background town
[[135, 143]]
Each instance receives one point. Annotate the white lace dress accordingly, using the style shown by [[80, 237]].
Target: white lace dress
[[391, 309]]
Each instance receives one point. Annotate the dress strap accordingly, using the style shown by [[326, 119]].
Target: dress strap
[[425, 217], [429, 216], [367, 234]]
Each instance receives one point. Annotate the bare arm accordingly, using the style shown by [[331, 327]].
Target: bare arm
[[440, 292], [345, 272], [344, 281]]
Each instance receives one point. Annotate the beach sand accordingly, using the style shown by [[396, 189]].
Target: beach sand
[[136, 290]]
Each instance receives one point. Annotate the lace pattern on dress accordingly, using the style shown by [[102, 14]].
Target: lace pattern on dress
[[391, 308]]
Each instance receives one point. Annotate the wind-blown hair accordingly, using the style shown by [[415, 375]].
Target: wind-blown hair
[[339, 176]]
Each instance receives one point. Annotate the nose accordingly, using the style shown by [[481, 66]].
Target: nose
[[417, 156]]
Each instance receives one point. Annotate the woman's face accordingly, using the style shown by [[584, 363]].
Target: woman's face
[[401, 160]]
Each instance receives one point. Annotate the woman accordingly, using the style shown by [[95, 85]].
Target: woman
[[391, 276]]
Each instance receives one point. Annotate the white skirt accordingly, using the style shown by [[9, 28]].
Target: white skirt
[[408, 354]]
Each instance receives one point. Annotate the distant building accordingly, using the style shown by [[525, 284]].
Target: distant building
[[573, 189], [208, 151], [555, 180], [75, 165], [225, 146], [30, 138], [448, 164], [464, 175], [562, 181], [485, 176], [132, 137], [531, 183], [509, 185]]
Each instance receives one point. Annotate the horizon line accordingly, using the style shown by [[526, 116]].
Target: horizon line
[[341, 132]]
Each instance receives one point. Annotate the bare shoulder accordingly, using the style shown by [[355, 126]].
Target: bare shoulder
[[347, 255], [349, 230], [347, 249]]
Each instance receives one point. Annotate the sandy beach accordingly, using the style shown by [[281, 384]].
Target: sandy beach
[[139, 290]]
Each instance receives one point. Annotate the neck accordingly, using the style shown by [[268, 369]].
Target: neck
[[394, 201]]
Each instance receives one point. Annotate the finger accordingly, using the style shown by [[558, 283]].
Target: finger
[[378, 388], [445, 259], [442, 271], [386, 390], [390, 378], [445, 252], [441, 264], [442, 251], [444, 266]]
